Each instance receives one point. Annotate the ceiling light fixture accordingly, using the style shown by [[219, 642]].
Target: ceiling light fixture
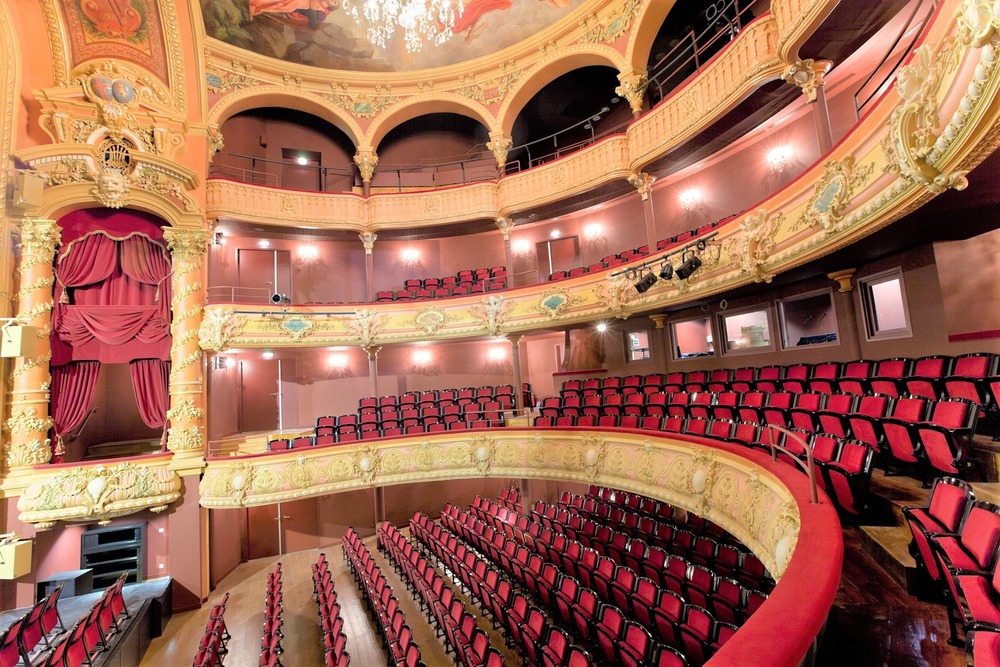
[[432, 20]]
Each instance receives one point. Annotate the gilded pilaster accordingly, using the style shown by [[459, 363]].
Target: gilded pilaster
[[186, 416], [808, 75], [29, 420]]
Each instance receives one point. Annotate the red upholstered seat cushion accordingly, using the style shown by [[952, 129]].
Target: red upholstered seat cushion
[[947, 506], [980, 596]]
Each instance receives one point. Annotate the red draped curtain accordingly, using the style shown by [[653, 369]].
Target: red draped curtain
[[112, 300], [151, 384], [72, 393], [112, 305]]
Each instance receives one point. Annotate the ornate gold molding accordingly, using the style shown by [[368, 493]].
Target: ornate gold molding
[[368, 241], [98, 493], [632, 86], [500, 144], [749, 250], [833, 193], [715, 483], [643, 183], [366, 160], [807, 75]]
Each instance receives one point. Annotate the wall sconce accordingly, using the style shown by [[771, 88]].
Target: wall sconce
[[410, 256], [337, 361], [690, 199], [308, 252], [602, 327], [218, 239], [496, 354], [593, 232], [521, 247], [422, 357], [778, 158], [220, 362]]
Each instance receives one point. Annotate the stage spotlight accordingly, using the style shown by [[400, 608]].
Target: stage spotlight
[[280, 300], [666, 270], [647, 281], [689, 266]]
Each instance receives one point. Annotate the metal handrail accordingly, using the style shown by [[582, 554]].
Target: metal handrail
[[674, 60], [904, 29], [218, 294], [809, 465]]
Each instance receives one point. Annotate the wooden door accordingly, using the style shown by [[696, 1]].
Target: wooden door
[[258, 395]]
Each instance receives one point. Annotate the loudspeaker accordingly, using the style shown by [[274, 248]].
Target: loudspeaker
[[28, 189], [19, 341], [647, 281], [690, 265]]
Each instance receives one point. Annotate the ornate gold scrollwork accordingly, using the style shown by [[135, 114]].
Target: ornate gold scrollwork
[[833, 192], [749, 251]]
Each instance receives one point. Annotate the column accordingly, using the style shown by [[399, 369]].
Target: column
[[29, 420], [643, 183], [808, 75], [186, 417], [500, 144], [632, 86], [368, 239], [515, 362], [379, 496], [372, 353], [505, 225], [844, 280], [367, 160]]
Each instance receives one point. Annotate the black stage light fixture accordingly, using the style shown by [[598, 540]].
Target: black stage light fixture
[[667, 271], [647, 281], [688, 266], [280, 300]]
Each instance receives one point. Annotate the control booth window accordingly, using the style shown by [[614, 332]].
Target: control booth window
[[883, 298], [810, 319], [637, 345], [692, 338], [746, 330]]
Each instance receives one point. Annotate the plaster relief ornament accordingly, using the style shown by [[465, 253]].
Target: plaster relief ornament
[[913, 124], [748, 252], [554, 301], [492, 313], [430, 319], [366, 325], [218, 327], [979, 22], [616, 294], [833, 193]]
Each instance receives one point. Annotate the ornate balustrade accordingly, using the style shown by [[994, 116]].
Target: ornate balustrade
[[765, 504]]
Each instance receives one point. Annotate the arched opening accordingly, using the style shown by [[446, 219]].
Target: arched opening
[[285, 148]]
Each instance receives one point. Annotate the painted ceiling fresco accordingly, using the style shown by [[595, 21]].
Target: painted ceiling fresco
[[321, 34]]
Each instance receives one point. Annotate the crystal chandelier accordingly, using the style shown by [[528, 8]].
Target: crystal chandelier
[[420, 19]]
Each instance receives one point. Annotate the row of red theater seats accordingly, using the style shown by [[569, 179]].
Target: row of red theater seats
[[80, 645], [270, 642], [487, 285], [662, 568], [618, 633], [956, 539], [625, 256], [469, 643], [913, 431], [212, 648], [493, 589], [438, 397], [463, 277], [925, 376], [373, 432], [382, 604], [332, 623]]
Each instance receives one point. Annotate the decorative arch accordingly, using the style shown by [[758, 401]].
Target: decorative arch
[[648, 22], [276, 96], [415, 107], [570, 58], [61, 200]]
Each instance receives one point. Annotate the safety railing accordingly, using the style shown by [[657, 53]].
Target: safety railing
[[235, 294], [809, 465]]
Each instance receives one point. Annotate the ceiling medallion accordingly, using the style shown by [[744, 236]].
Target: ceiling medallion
[[432, 20]]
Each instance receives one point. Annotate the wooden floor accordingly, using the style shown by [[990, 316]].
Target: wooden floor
[[874, 621]]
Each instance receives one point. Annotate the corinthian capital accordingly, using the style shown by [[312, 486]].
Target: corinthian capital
[[187, 245], [367, 160], [642, 182], [808, 75], [500, 144], [632, 86], [40, 237]]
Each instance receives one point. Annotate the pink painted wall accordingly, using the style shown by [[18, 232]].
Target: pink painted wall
[[967, 271], [227, 535], [185, 549]]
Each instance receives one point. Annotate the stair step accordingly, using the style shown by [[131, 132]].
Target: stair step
[[889, 547]]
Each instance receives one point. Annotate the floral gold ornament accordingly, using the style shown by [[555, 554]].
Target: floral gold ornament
[[366, 325], [430, 319], [99, 493], [749, 251], [492, 313], [218, 327], [912, 135], [833, 193]]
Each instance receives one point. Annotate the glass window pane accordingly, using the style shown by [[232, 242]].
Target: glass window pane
[[808, 320], [692, 338], [890, 313], [747, 330], [638, 345]]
